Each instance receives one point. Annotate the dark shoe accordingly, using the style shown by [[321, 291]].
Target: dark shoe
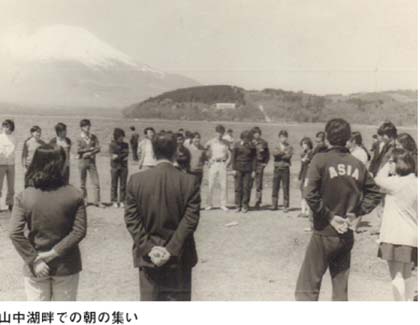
[[239, 209], [10, 207], [274, 205], [100, 205], [257, 206], [274, 208]]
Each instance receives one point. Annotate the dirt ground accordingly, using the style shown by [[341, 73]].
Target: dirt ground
[[257, 259]]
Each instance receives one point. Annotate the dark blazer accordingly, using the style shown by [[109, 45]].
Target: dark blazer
[[163, 209], [55, 219], [244, 157]]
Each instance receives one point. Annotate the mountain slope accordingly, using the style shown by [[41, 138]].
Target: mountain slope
[[68, 66], [199, 103]]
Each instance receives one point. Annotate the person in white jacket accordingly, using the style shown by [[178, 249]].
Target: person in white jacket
[[7, 160], [398, 234]]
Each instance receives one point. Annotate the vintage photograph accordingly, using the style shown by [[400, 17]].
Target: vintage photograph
[[213, 150]]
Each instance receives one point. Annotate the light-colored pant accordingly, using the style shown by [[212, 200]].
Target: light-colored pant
[[52, 288], [9, 172], [217, 170]]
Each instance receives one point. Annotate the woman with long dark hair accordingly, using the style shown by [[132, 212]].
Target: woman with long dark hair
[[55, 216]]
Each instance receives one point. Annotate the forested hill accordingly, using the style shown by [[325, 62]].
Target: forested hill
[[224, 102]]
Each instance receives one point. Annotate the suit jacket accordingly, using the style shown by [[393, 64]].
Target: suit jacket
[[163, 209], [55, 220]]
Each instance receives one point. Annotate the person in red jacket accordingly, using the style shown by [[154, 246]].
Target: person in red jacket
[[338, 189]]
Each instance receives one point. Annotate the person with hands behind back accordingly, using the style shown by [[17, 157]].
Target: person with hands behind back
[[119, 151], [337, 188], [55, 216], [162, 213]]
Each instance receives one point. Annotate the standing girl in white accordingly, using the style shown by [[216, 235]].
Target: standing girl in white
[[7, 160], [398, 235]]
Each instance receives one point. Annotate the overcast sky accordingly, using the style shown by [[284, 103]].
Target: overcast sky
[[319, 46]]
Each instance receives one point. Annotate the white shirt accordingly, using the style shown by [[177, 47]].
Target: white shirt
[[219, 149], [7, 149], [149, 156], [359, 153], [399, 220]]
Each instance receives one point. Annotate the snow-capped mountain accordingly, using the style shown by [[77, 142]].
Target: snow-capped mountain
[[69, 66]]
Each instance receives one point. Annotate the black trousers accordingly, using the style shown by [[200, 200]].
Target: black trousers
[[281, 176], [134, 149], [259, 182], [118, 177], [198, 175], [322, 253], [243, 185], [165, 284]]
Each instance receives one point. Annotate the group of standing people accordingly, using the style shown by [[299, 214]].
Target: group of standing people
[[340, 182]]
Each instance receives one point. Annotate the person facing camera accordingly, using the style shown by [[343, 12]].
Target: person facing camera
[[55, 216]]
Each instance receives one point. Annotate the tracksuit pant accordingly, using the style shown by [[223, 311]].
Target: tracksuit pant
[[243, 185], [134, 150], [52, 288], [217, 171], [88, 166], [8, 171], [199, 176], [322, 253], [118, 179], [281, 176], [165, 283], [259, 183]]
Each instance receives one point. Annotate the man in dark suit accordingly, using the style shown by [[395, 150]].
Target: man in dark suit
[[162, 213]]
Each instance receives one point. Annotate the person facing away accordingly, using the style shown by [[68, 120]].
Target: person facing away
[[54, 214], [65, 143], [119, 151], [282, 154], [263, 156], [87, 149], [219, 157], [146, 155], [198, 157], [7, 160], [338, 189], [30, 145], [162, 213], [244, 161], [183, 155], [134, 143], [356, 148], [398, 234], [305, 158]]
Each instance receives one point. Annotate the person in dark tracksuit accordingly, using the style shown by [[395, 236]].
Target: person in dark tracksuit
[[63, 141], [119, 151], [320, 145], [282, 154], [243, 164], [338, 189], [183, 154], [263, 156], [134, 143], [388, 133]]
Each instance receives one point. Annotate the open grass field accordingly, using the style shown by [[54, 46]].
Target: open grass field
[[256, 259]]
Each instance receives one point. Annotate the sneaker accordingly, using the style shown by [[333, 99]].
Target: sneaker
[[224, 208], [208, 208], [285, 210], [237, 210], [302, 215], [122, 205], [274, 208], [115, 205], [245, 210], [100, 205], [307, 229]]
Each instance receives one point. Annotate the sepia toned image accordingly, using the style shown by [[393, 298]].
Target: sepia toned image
[[209, 150]]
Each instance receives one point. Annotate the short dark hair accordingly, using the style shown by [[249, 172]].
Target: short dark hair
[[46, 169], [307, 141], [320, 134], [284, 133], [405, 162], [149, 129], [132, 128], [164, 145], [407, 142], [338, 132], [35, 128], [256, 129], [388, 128], [245, 135], [9, 124], [220, 129], [229, 131], [60, 127], [118, 133], [189, 134], [356, 136], [375, 136], [196, 134], [85, 122], [180, 135]]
